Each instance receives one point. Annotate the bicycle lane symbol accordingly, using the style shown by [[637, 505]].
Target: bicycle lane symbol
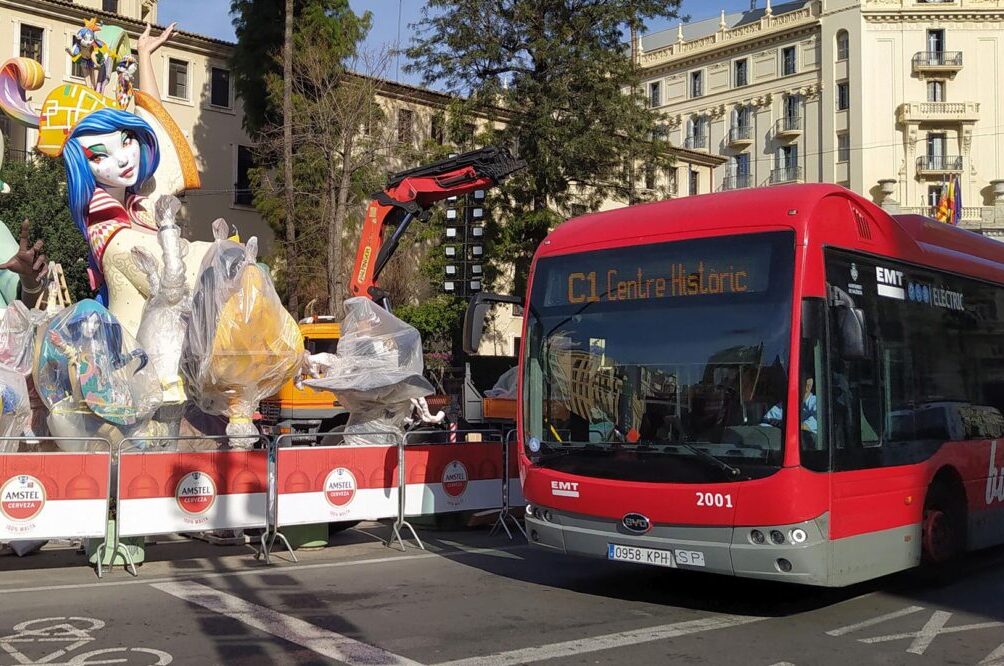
[[68, 635]]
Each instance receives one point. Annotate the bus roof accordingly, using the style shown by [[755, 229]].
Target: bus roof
[[911, 238]]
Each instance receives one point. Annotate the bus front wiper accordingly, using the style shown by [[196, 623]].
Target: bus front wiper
[[569, 450], [732, 471]]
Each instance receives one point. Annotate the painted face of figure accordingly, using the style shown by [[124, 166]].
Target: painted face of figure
[[89, 327], [86, 38], [112, 157]]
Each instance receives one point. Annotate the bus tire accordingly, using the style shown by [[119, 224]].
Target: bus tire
[[943, 530]]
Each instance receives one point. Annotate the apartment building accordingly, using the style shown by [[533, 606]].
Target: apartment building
[[888, 97]]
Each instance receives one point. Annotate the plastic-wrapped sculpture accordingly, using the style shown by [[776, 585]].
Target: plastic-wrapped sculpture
[[93, 378], [166, 313], [241, 344], [17, 330], [126, 71], [111, 157], [376, 371]]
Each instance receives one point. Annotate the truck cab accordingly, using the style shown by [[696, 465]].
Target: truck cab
[[304, 411]]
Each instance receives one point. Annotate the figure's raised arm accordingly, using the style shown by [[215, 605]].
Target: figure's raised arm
[[146, 45]]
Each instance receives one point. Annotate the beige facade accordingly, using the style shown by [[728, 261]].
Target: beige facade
[[887, 97]]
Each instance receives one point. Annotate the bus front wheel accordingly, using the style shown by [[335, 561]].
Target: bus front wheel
[[943, 529]]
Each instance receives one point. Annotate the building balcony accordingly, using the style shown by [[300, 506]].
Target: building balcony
[[786, 174], [788, 127], [740, 136], [939, 112], [739, 181], [937, 62], [971, 215], [696, 142], [938, 165]]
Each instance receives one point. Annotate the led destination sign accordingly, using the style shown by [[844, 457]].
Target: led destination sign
[[668, 271]]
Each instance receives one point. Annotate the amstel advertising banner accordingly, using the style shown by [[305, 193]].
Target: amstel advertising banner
[[53, 495], [324, 484], [166, 492]]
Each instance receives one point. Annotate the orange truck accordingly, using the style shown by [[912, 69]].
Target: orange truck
[[304, 411]]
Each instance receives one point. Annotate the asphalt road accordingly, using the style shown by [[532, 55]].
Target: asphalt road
[[476, 599]]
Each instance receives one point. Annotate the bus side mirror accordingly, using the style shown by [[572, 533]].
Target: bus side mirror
[[474, 319]]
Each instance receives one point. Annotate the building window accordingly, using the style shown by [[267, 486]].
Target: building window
[[405, 124], [843, 96], [219, 87], [697, 138], [788, 60], [177, 78], [649, 176], [77, 69], [843, 44], [933, 195], [438, 129], [935, 41], [792, 110], [843, 147], [741, 77], [110, 6], [654, 94], [696, 84], [31, 42], [242, 181], [935, 91], [694, 182]]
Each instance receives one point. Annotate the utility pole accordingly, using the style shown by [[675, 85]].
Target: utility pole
[[292, 280]]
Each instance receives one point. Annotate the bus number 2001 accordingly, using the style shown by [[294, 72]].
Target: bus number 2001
[[714, 499]]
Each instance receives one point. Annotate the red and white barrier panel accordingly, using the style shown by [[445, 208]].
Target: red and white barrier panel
[[53, 495], [166, 492], [453, 477], [336, 483]]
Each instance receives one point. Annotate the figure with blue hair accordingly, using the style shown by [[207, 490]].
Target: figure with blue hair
[[117, 162]]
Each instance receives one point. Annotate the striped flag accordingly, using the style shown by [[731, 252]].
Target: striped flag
[[956, 201]]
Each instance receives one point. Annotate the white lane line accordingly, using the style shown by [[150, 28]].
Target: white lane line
[[262, 571], [607, 642], [325, 643], [909, 610], [481, 551]]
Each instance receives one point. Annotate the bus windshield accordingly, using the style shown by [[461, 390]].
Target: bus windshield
[[662, 362]]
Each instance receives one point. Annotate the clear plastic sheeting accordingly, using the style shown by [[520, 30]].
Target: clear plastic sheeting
[[15, 410], [376, 371], [505, 386], [241, 345], [17, 331], [93, 377]]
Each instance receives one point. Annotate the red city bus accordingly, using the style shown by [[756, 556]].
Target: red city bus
[[782, 383]]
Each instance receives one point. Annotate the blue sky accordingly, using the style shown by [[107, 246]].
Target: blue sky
[[210, 17]]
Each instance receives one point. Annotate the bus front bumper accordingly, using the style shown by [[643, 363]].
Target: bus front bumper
[[802, 556]]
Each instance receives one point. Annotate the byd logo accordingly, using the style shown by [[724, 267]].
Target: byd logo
[[339, 487], [565, 488], [196, 493], [637, 523], [22, 497]]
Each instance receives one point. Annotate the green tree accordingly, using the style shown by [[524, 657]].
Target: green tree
[[563, 74], [38, 193]]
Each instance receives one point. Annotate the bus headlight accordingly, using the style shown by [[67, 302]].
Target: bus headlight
[[757, 537], [777, 537], [797, 536]]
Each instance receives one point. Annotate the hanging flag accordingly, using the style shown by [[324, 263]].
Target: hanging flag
[[943, 210], [956, 201]]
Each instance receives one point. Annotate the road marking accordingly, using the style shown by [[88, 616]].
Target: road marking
[[995, 658], [909, 610], [323, 642], [66, 630], [607, 642], [936, 625], [263, 571], [481, 551]]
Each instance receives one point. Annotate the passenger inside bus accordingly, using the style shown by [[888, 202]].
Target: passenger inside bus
[[775, 414]]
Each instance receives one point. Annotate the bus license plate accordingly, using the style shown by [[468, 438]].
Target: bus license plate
[[659, 558]]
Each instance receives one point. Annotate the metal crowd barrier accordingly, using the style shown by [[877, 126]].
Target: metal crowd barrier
[[504, 514], [194, 489], [65, 496]]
